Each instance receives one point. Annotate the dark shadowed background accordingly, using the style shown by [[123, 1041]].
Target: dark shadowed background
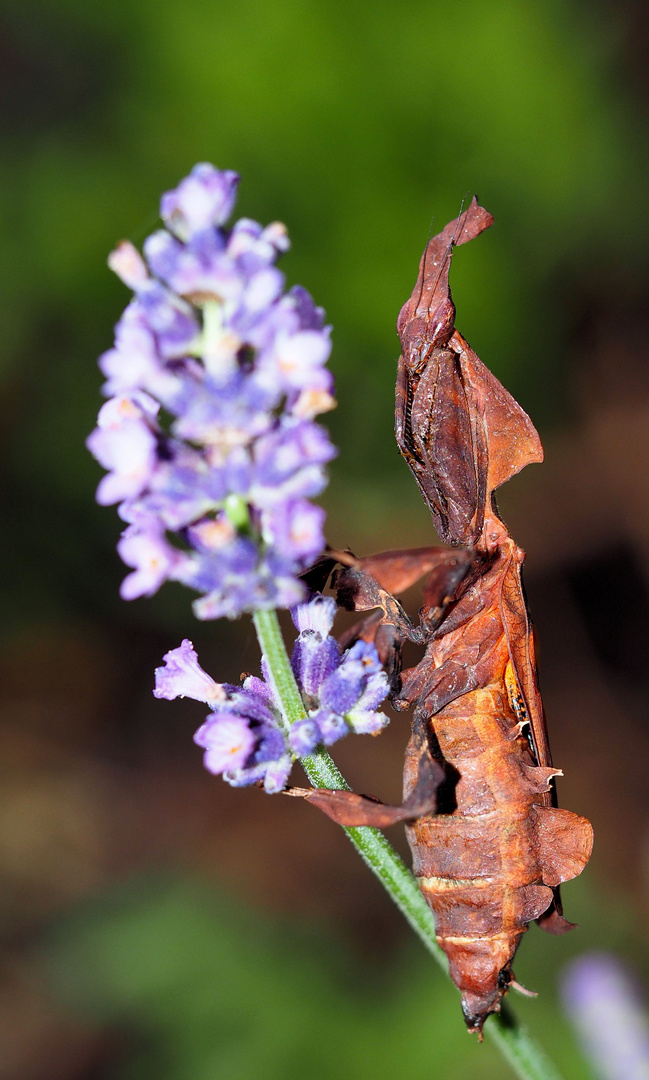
[[156, 923]]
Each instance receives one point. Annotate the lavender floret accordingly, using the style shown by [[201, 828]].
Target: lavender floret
[[304, 736], [153, 559], [314, 660], [183, 676], [228, 744], [203, 199]]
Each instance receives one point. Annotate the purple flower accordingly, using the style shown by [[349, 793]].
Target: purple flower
[[304, 736], [153, 558], [198, 269], [317, 615], [224, 417], [297, 360], [314, 660], [183, 676], [134, 362], [125, 442], [288, 463], [295, 528], [252, 247], [363, 716], [228, 742], [182, 489], [227, 467], [332, 726], [128, 264], [255, 302], [246, 738], [603, 999], [171, 319], [340, 692], [343, 693], [203, 199]]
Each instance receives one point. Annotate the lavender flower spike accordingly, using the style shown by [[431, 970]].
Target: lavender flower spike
[[245, 738], [216, 488]]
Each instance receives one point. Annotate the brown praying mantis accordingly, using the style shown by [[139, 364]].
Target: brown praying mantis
[[490, 846]]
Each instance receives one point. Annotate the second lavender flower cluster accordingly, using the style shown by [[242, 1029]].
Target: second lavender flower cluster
[[214, 382], [246, 737]]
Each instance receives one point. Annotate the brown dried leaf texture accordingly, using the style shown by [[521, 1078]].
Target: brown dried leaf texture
[[492, 857]]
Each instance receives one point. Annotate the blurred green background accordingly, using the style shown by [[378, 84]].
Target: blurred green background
[[154, 922]]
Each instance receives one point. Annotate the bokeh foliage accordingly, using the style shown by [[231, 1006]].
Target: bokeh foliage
[[355, 124], [205, 989]]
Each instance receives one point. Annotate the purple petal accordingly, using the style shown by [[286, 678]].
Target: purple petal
[[357, 687], [362, 659], [128, 264], [287, 592], [229, 743], [153, 558], [296, 529], [171, 319], [183, 676], [375, 692], [277, 774], [203, 199], [341, 691], [133, 363], [318, 615], [364, 722], [163, 251], [270, 763], [262, 289], [297, 359], [200, 268], [310, 317], [254, 710], [304, 736], [181, 490], [224, 416], [227, 566], [313, 661], [288, 464], [127, 408], [261, 690], [332, 726], [253, 247], [130, 453]]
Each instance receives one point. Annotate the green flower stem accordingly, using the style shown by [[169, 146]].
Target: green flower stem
[[517, 1046], [279, 666]]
